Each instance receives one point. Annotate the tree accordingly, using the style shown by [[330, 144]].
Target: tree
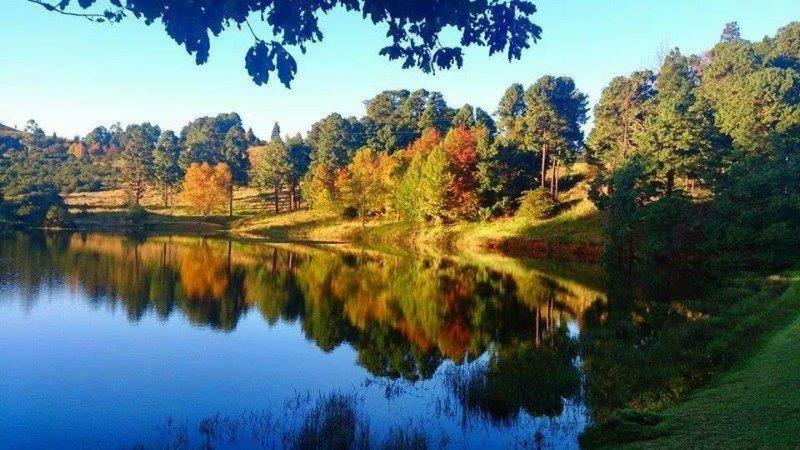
[[730, 33], [333, 140], [299, 160], [434, 184], [234, 154], [555, 112], [423, 145], [166, 171], [205, 188], [436, 114], [619, 117], [482, 118], [417, 36], [252, 139], [754, 90], [272, 169], [510, 111], [98, 140], [34, 136], [460, 145], [138, 160], [464, 117], [363, 185], [203, 139], [276, 132], [678, 133]]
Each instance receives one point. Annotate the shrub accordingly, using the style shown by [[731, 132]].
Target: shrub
[[537, 204], [36, 201], [57, 217], [136, 214]]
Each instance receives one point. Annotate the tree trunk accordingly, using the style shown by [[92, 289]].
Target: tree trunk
[[230, 201], [670, 181], [292, 205], [277, 199], [544, 163], [553, 177], [557, 167]]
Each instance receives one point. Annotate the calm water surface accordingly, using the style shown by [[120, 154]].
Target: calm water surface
[[111, 341]]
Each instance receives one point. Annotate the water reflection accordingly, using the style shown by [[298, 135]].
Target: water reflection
[[507, 329]]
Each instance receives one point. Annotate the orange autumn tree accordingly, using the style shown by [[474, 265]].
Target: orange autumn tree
[[205, 188], [424, 144], [460, 145]]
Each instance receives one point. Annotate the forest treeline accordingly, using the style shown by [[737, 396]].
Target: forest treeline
[[699, 155]]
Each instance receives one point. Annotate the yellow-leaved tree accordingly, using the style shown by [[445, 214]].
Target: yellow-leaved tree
[[205, 188]]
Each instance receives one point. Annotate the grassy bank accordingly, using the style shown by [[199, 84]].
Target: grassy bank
[[576, 221], [755, 404]]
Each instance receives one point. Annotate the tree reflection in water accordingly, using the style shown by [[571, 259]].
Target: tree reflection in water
[[505, 330]]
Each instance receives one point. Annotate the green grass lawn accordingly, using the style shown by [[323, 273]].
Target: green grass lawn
[[756, 404]]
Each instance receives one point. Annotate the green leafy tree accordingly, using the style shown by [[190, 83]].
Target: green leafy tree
[[555, 113], [482, 118], [34, 137], [619, 118], [276, 132], [731, 33], [166, 170], [436, 114], [234, 154], [138, 162], [464, 117], [510, 111], [299, 161], [271, 170], [333, 140], [679, 132], [434, 183]]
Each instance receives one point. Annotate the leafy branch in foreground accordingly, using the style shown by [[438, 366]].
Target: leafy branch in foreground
[[415, 30]]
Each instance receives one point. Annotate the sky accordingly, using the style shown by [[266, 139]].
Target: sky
[[71, 75]]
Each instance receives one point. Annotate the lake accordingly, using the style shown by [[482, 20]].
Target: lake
[[177, 342]]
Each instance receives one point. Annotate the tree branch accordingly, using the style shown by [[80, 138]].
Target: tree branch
[[88, 16]]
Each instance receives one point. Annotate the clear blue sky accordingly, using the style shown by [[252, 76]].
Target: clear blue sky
[[71, 75]]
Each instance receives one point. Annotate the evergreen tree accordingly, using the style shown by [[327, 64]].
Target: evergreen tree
[[555, 112], [482, 118], [166, 170], [436, 114], [678, 134], [299, 160], [234, 154], [276, 132], [138, 161], [510, 111], [730, 33], [271, 170], [619, 118], [464, 117]]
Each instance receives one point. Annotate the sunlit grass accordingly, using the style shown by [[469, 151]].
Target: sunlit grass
[[755, 405], [752, 405]]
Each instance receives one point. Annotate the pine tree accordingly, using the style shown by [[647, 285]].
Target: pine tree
[[166, 170]]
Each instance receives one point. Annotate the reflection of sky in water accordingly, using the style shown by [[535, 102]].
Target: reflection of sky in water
[[78, 372]]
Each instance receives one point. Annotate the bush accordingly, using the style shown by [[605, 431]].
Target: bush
[[57, 217], [136, 214], [36, 201], [537, 204]]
